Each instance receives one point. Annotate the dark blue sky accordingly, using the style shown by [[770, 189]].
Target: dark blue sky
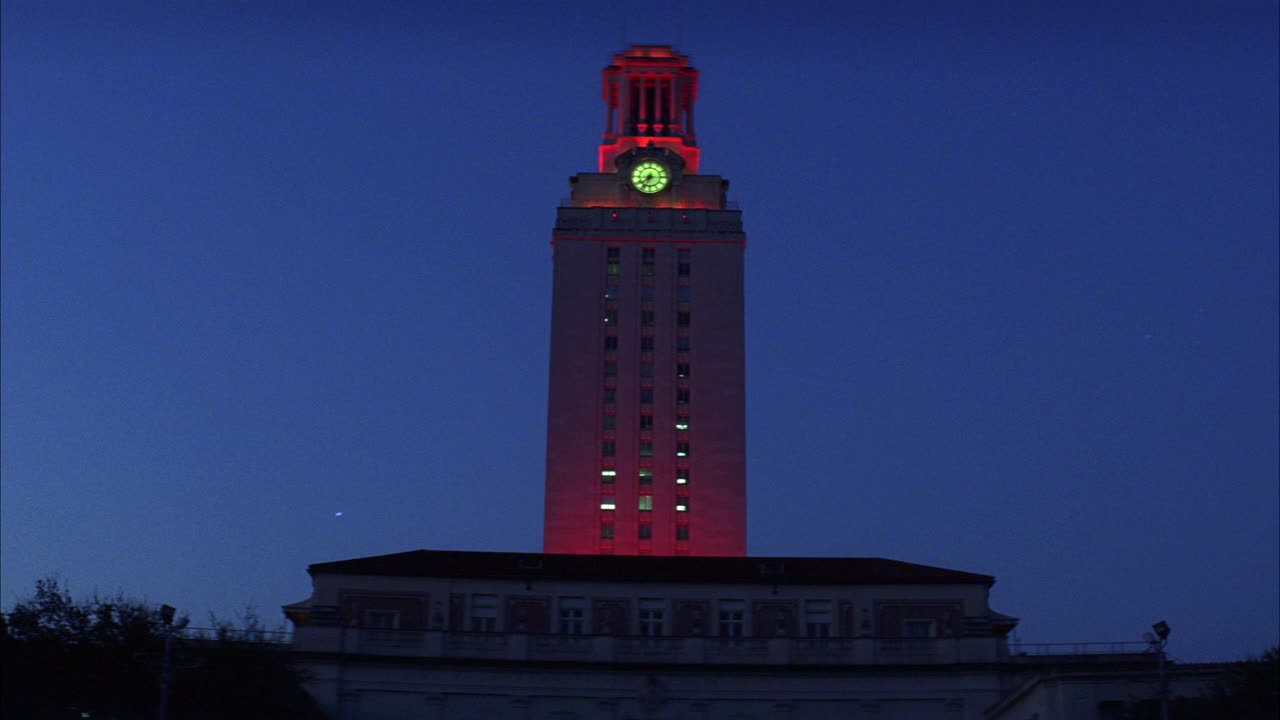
[[1012, 291]]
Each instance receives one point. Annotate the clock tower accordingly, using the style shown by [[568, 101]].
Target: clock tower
[[646, 428]]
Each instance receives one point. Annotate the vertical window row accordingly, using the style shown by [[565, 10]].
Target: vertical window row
[[648, 322], [684, 371], [609, 398]]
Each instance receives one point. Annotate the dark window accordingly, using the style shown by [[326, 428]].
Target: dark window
[[606, 531], [646, 396], [646, 532], [682, 370], [614, 253], [646, 254], [610, 396], [682, 343], [646, 317], [646, 422], [682, 319], [608, 448], [682, 255], [646, 370], [646, 449], [646, 344], [611, 292], [610, 422], [682, 269], [610, 342], [646, 293], [611, 317], [682, 532], [683, 293], [616, 268], [646, 269], [682, 396], [610, 369]]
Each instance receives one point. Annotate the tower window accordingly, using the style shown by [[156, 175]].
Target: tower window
[[646, 396], [646, 370], [646, 449], [646, 476], [646, 293], [682, 532], [682, 319], [646, 502], [682, 476], [682, 449], [646, 254], [606, 531], [683, 293], [610, 369], [646, 531], [610, 343], [682, 370], [682, 254], [646, 422], [608, 503], [682, 422], [616, 268], [682, 343], [682, 396], [611, 292], [611, 317], [608, 448], [610, 396], [607, 476], [646, 343], [646, 269], [609, 422], [646, 317], [682, 504]]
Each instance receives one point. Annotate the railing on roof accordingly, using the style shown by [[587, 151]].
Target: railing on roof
[[1125, 647]]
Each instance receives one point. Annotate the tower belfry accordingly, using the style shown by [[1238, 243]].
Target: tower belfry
[[649, 93], [646, 429]]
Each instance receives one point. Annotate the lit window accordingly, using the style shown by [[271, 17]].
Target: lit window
[[646, 531], [646, 422], [682, 532], [682, 449], [646, 502], [646, 476], [606, 531], [484, 613], [646, 343], [609, 422], [682, 319], [610, 343], [682, 504], [572, 612], [682, 370], [817, 618], [611, 317], [608, 476], [616, 268], [682, 423], [682, 476], [683, 293], [646, 449], [608, 503], [608, 448]]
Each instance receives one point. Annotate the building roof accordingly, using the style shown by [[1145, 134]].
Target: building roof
[[650, 569]]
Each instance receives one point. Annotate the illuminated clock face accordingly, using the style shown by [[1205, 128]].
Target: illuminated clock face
[[650, 177]]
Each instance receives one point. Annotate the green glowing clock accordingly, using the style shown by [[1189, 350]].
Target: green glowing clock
[[650, 177]]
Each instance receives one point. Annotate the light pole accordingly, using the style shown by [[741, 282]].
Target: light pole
[[1157, 643]]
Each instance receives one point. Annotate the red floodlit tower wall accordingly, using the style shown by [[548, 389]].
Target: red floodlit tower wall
[[646, 447]]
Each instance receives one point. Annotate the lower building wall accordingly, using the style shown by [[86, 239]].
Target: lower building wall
[[381, 691]]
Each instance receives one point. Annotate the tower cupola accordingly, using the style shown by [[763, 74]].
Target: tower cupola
[[649, 93]]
